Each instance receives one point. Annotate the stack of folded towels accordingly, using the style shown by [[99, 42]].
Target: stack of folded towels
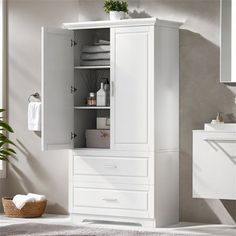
[[20, 200], [97, 54]]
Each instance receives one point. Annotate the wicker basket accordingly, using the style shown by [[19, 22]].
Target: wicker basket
[[30, 210]]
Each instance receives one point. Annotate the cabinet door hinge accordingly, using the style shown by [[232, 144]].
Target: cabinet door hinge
[[73, 43], [73, 89], [73, 135]]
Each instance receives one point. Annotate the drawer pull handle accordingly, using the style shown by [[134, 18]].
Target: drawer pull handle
[[219, 140], [110, 166], [110, 199]]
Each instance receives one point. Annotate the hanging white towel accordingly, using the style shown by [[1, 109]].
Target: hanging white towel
[[37, 197], [34, 116], [20, 200]]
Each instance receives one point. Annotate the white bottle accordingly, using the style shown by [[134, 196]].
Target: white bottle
[[101, 97]]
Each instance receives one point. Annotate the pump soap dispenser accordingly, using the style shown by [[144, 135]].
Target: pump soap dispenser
[[101, 96]]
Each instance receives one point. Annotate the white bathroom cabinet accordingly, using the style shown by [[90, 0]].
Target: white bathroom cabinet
[[214, 164], [136, 179]]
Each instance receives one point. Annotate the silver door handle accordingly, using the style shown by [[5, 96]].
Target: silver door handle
[[110, 199], [110, 166], [112, 88]]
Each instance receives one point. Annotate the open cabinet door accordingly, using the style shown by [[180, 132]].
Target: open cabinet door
[[57, 79]]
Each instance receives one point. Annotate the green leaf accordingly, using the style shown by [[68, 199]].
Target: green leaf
[[4, 152], [5, 140], [6, 126], [1, 144], [10, 150], [10, 142], [111, 5], [4, 158]]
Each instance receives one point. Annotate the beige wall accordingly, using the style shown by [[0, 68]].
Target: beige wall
[[201, 94], [2, 190], [35, 171]]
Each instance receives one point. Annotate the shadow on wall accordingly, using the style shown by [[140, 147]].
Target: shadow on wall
[[23, 183], [201, 97]]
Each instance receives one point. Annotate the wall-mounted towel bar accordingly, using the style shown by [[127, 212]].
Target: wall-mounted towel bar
[[35, 95]]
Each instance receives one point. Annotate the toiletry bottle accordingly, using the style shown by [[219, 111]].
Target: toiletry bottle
[[91, 99], [101, 96], [107, 90], [220, 118]]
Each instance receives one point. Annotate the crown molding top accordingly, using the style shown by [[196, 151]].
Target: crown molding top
[[121, 23]]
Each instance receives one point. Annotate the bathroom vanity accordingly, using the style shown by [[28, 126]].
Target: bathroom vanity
[[135, 179], [214, 162]]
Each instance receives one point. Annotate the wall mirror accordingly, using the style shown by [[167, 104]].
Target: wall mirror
[[228, 41]]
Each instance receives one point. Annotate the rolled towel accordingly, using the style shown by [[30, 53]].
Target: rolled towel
[[34, 116], [95, 63], [37, 197], [95, 48], [20, 200], [95, 56]]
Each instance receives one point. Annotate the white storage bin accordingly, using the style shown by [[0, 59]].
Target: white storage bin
[[103, 123], [97, 138]]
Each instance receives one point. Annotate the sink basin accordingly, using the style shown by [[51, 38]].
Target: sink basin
[[227, 127]]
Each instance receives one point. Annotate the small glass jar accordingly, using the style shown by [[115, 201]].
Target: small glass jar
[[91, 99]]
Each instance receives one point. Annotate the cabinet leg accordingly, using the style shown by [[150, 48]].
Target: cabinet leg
[[148, 224], [77, 219]]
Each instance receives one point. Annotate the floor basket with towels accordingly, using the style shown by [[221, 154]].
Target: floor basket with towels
[[24, 206]]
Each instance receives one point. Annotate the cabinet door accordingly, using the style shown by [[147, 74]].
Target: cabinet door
[[214, 165], [57, 79], [131, 74]]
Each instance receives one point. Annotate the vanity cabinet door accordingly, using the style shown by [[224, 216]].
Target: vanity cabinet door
[[57, 79], [214, 165], [131, 63]]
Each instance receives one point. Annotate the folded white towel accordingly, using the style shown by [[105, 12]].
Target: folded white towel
[[95, 63], [96, 49], [37, 197], [34, 116], [95, 56], [20, 200], [102, 42]]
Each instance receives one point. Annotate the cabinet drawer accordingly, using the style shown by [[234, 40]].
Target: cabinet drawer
[[116, 199], [214, 165], [132, 167]]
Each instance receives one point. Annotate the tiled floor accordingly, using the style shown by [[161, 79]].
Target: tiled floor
[[189, 228]]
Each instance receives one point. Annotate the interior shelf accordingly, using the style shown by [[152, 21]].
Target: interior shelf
[[91, 67], [91, 108]]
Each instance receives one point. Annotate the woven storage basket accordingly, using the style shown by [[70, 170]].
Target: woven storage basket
[[30, 209]]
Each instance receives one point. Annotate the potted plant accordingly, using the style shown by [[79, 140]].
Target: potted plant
[[5, 142], [116, 9]]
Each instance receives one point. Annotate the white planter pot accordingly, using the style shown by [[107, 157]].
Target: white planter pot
[[117, 15]]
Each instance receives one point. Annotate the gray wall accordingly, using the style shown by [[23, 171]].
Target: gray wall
[[201, 94], [35, 171], [2, 190]]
